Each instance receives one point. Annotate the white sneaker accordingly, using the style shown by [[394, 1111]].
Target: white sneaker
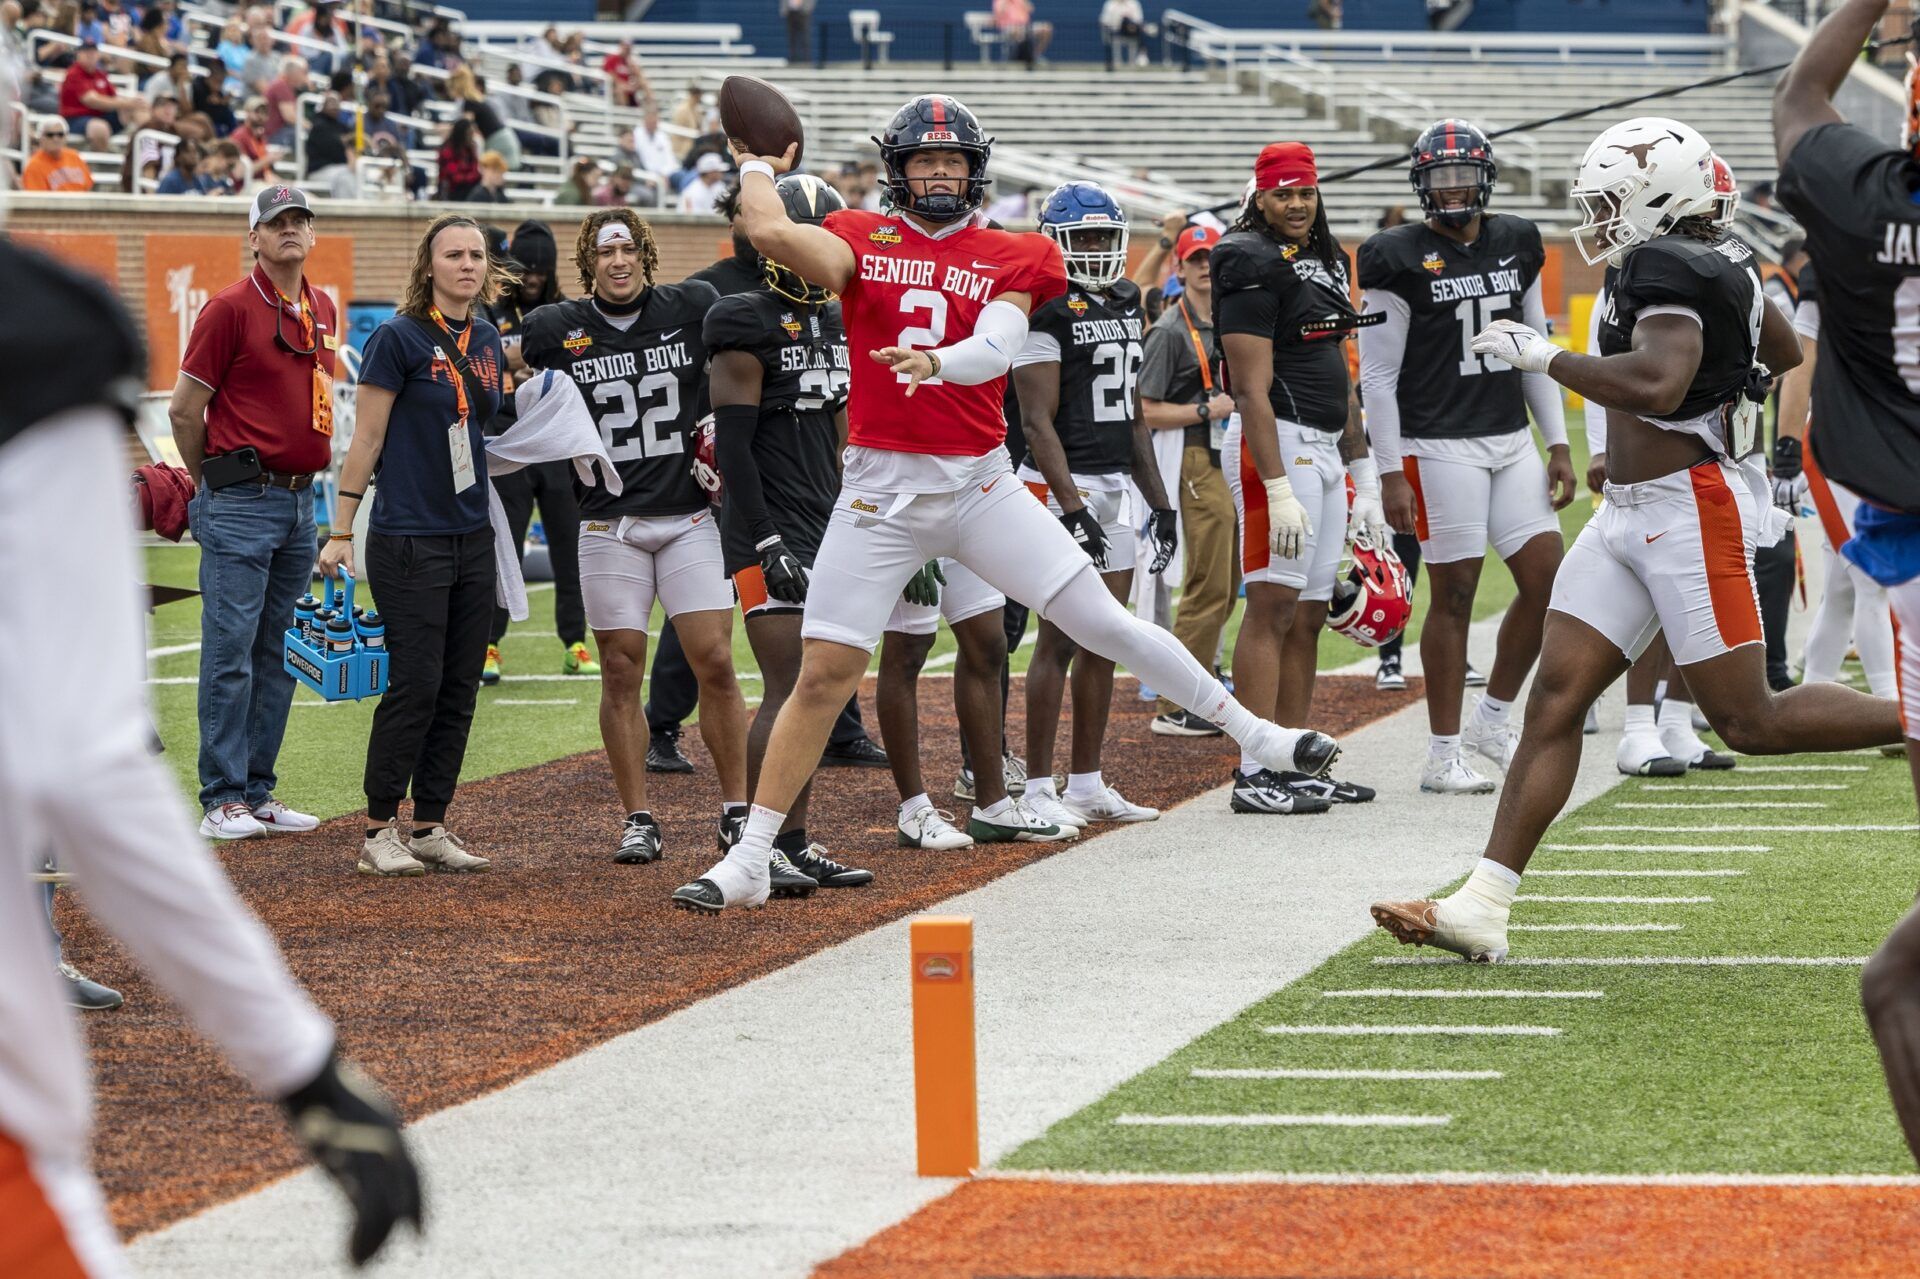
[[231, 821], [1106, 806], [932, 829], [1450, 775], [387, 854], [1645, 755], [1464, 923], [443, 850], [1494, 743], [278, 819], [1046, 806]]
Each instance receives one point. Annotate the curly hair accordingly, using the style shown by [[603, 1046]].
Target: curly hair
[[418, 299], [586, 244]]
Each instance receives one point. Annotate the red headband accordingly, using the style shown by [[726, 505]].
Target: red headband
[[1285, 164]]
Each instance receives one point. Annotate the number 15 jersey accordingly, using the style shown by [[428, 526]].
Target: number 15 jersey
[[925, 291]]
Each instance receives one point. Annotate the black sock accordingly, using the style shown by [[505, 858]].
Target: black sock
[[421, 832], [791, 841], [730, 811], [644, 817]]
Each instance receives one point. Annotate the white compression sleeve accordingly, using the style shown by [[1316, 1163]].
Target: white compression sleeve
[[1543, 393], [1596, 416], [1382, 348], [998, 335]]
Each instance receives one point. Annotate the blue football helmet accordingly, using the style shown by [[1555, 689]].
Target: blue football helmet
[[1091, 230]]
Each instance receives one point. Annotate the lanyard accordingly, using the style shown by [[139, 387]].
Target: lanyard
[[460, 344], [1199, 349]]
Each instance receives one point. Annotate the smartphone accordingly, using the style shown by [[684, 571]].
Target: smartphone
[[237, 467]]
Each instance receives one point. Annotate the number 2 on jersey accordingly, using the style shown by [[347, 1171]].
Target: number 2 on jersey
[[923, 337], [1113, 389], [624, 442]]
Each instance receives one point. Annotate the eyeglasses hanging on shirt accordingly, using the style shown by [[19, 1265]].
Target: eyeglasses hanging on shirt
[[309, 348]]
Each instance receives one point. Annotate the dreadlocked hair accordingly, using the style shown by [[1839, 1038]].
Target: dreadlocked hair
[[586, 244], [418, 299], [1320, 238], [1697, 226]]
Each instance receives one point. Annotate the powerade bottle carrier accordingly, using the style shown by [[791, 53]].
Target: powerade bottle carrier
[[339, 651]]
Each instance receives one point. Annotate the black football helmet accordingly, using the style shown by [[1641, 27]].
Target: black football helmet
[[935, 122], [808, 200], [1448, 156]]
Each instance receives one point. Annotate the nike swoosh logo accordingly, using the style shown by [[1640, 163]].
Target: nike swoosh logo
[[699, 517], [1654, 537], [668, 336], [1505, 261], [986, 266], [988, 488]]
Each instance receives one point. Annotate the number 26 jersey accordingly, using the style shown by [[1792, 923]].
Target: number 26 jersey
[[646, 386]]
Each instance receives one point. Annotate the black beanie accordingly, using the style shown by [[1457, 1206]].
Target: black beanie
[[533, 247]]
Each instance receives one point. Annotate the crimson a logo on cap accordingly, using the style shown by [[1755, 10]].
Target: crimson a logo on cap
[[278, 194]]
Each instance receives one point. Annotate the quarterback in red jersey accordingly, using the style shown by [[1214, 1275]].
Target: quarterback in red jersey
[[936, 303]]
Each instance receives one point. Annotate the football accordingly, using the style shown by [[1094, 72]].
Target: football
[[759, 117]]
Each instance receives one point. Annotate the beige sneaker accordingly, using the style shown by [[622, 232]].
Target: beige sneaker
[[443, 850], [386, 854]]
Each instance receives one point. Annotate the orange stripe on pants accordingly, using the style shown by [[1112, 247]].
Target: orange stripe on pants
[[1723, 549], [33, 1240], [1038, 490], [1255, 547], [1822, 494], [1410, 467]]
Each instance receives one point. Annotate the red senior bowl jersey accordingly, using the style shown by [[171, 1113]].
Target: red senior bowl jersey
[[910, 289]]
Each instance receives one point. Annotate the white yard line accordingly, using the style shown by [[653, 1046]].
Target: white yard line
[[1387, 992], [1744, 805], [1805, 768], [536, 701], [1710, 787], [171, 650], [1634, 874], [1385, 1076], [1617, 901], [1901, 1180], [1284, 1121], [1637, 961], [1655, 848], [1593, 928], [1775, 829], [1409, 1030]]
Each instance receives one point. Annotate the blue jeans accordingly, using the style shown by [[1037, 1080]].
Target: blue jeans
[[256, 559]]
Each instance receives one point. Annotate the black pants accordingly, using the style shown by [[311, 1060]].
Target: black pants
[[1407, 547], [550, 484], [673, 692], [437, 598], [1773, 575]]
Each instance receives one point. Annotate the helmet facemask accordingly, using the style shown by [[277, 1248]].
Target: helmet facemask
[[937, 206], [1094, 250], [788, 284], [1447, 176], [1604, 235]]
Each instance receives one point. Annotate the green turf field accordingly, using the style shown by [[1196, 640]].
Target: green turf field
[[1653, 1069]]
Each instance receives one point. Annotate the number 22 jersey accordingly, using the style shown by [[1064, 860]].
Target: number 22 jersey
[[646, 386], [923, 291]]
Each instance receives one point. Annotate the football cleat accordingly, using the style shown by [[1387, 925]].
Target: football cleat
[[640, 843], [1263, 792], [726, 884], [579, 661], [490, 669], [1474, 678], [1184, 724], [1451, 775], [663, 754], [1314, 754], [1645, 755], [1107, 806], [813, 862], [1326, 788], [787, 880], [931, 829], [1495, 743], [1046, 806], [1463, 923], [1017, 826], [731, 830], [1684, 745], [1390, 678]]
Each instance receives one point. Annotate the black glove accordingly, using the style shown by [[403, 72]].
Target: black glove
[[350, 1130], [785, 575], [1163, 528], [1087, 531], [923, 588], [1786, 458]]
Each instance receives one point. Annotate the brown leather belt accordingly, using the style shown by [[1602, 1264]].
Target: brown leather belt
[[282, 480]]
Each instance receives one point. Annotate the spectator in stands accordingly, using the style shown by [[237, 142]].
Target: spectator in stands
[[377, 123], [233, 52], [403, 95], [493, 181], [492, 134], [222, 168], [173, 28], [88, 26], [262, 63], [459, 162], [210, 100], [175, 78], [709, 181], [1324, 14], [1760, 196], [1012, 206], [1122, 24], [87, 94], [321, 22], [1027, 40], [55, 166], [618, 189], [116, 23], [799, 18], [515, 108], [652, 145], [63, 20], [197, 128], [580, 183], [1392, 216], [283, 98], [626, 79], [251, 138], [440, 47], [153, 153], [463, 86], [330, 151], [691, 113], [150, 36], [184, 177]]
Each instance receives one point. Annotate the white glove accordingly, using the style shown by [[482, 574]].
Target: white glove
[[1287, 525], [1369, 512], [1788, 495], [1517, 344]]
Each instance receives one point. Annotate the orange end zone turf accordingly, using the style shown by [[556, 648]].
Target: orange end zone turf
[[1033, 1230]]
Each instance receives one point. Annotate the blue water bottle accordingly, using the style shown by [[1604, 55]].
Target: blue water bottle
[[372, 631], [339, 637], [303, 611]]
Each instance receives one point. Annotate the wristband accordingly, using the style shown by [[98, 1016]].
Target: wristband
[[758, 166], [934, 360], [358, 497], [339, 537]]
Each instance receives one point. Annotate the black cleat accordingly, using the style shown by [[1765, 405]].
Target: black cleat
[[663, 755], [1326, 788], [702, 896], [813, 862], [788, 879], [89, 995], [862, 752], [1713, 760], [1314, 753], [1264, 792], [640, 843], [1474, 678], [732, 830], [1184, 724]]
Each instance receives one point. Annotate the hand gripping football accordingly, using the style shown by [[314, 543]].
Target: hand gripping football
[[757, 116]]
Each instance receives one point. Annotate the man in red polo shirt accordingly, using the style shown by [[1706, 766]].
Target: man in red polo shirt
[[86, 93], [253, 416]]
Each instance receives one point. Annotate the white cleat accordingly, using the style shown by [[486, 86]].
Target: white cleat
[[1107, 806], [1451, 775], [1683, 744], [1645, 755], [1463, 923], [1046, 806], [1494, 743], [931, 829]]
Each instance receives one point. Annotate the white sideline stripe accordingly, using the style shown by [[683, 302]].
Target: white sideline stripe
[[1697, 787], [315, 705], [1656, 848], [1391, 1076], [1665, 829], [1904, 1180], [1285, 1121], [1634, 961], [1387, 992], [948, 659], [1411, 1030], [1636, 874], [1618, 901], [1593, 928], [743, 676], [1747, 805], [1806, 768], [170, 650], [536, 701]]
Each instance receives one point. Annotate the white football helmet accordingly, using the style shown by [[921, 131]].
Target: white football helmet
[[1637, 179]]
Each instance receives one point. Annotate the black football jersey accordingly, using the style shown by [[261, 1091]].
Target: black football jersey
[[1718, 281], [1453, 291], [1263, 287], [1854, 195], [65, 343], [1100, 336], [804, 372], [646, 387]]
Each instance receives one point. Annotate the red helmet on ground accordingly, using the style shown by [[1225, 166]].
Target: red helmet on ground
[[1374, 601], [706, 467]]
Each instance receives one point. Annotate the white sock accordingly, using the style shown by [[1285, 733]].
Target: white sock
[[755, 848], [1493, 883], [1002, 809], [1492, 710], [1639, 719], [908, 807], [1040, 785], [1441, 745], [1085, 784], [1676, 714], [1660, 691], [1249, 765]]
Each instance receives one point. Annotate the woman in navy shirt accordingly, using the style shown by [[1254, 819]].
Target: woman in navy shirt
[[429, 379]]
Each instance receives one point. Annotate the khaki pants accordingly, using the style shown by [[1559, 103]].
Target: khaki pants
[[1207, 535]]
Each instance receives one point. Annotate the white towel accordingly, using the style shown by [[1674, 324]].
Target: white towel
[[554, 425]]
